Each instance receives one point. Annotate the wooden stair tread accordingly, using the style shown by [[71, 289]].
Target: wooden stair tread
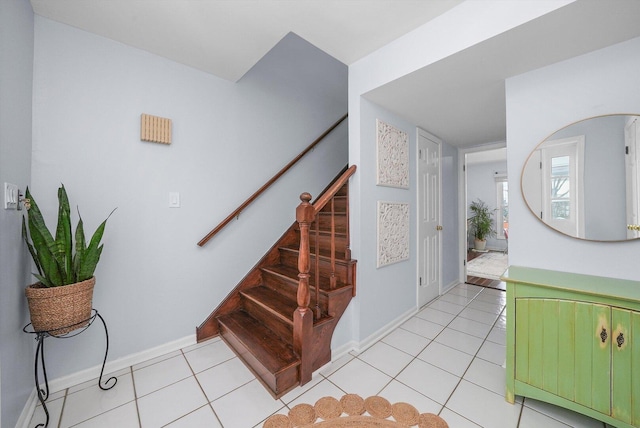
[[266, 346], [292, 274], [278, 304]]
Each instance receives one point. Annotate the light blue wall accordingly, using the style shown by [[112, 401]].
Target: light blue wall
[[389, 292], [154, 285], [16, 71], [540, 102], [450, 233], [481, 184]]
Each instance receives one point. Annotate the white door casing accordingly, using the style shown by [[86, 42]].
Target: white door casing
[[545, 184], [632, 175], [429, 217]]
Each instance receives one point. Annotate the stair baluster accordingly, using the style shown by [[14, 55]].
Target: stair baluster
[[303, 316], [318, 310], [332, 278]]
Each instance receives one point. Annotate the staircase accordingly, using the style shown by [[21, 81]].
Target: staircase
[[280, 318]]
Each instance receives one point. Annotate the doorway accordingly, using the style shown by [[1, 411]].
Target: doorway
[[429, 217], [485, 182]]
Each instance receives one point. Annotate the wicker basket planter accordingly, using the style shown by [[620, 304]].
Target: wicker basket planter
[[59, 310]]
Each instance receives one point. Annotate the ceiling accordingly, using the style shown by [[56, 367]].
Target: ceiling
[[460, 99], [227, 37]]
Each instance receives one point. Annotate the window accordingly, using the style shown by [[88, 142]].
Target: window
[[560, 192], [561, 167], [502, 202]]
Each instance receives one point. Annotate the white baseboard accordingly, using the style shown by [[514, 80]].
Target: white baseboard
[[339, 352], [365, 344], [449, 286], [85, 375]]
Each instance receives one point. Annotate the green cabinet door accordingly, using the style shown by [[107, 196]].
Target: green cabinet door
[[625, 383], [561, 348]]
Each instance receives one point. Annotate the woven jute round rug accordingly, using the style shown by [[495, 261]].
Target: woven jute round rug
[[353, 411]]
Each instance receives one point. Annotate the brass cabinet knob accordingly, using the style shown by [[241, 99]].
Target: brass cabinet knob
[[633, 226]]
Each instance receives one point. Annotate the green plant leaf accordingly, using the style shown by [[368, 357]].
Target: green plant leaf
[[43, 280], [92, 254], [44, 244], [81, 248], [63, 238], [32, 250]]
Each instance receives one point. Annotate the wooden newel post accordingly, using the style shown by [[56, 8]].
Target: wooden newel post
[[303, 316]]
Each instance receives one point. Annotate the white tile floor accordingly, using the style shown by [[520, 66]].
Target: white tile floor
[[448, 359]]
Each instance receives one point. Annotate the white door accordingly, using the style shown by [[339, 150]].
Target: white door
[[429, 243], [632, 157]]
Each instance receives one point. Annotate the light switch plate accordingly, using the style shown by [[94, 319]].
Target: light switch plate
[[11, 197], [174, 200]]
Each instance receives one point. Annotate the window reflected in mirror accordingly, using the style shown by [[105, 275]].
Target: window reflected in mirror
[[583, 180]]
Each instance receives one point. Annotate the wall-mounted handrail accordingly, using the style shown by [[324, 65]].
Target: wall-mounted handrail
[[273, 179]]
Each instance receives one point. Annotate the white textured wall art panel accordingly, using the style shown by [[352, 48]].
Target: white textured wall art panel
[[393, 156], [393, 232]]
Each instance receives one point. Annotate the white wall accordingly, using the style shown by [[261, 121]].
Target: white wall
[[543, 101], [16, 71], [463, 26], [154, 285]]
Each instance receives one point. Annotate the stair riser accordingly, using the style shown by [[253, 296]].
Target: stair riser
[[278, 383], [289, 288], [290, 258], [325, 243], [282, 328], [340, 205], [339, 219]]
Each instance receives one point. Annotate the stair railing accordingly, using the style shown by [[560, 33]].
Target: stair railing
[[245, 204], [306, 215]]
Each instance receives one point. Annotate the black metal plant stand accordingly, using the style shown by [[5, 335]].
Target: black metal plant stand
[[43, 394]]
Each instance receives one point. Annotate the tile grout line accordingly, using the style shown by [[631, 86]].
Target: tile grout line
[[474, 357], [422, 350], [64, 401], [193, 373], [135, 396]]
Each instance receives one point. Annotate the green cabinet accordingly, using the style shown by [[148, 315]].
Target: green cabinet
[[570, 342]]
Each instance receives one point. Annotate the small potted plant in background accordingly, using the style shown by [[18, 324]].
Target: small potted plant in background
[[480, 224], [61, 300]]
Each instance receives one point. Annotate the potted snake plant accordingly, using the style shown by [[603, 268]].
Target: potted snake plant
[[480, 223], [61, 300]]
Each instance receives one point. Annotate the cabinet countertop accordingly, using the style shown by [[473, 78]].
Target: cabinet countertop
[[589, 284]]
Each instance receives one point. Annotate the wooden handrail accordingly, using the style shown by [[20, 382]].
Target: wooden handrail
[[331, 191], [273, 179]]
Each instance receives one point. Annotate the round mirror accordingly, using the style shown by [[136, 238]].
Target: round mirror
[[583, 180]]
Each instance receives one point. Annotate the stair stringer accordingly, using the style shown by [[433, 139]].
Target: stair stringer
[[209, 327]]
